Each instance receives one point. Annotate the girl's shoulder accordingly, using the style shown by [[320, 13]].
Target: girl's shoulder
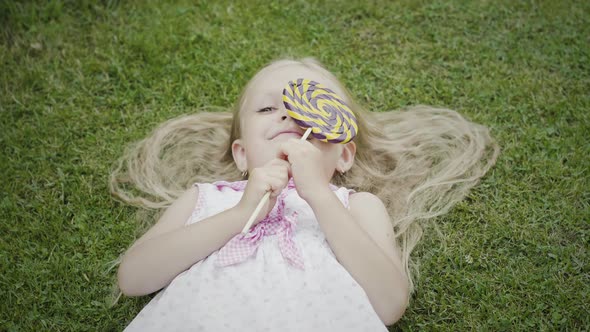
[[215, 197], [365, 199], [222, 186]]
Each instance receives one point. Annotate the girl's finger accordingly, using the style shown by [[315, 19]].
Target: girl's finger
[[283, 168], [286, 149], [279, 162], [276, 187], [277, 173]]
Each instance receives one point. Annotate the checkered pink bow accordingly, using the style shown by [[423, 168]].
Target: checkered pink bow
[[242, 246]]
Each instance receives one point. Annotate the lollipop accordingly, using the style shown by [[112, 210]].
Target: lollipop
[[314, 106], [321, 112]]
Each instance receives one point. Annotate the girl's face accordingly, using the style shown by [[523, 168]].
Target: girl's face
[[265, 124]]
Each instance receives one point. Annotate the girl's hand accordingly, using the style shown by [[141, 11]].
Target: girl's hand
[[306, 166], [273, 177]]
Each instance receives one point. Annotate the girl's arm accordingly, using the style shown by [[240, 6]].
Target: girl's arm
[[169, 248], [363, 241], [362, 238]]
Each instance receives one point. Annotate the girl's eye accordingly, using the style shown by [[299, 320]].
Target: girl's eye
[[265, 109]]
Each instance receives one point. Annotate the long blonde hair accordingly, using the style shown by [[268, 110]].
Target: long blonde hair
[[420, 161]]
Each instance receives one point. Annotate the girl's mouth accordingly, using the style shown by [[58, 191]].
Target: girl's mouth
[[288, 133]]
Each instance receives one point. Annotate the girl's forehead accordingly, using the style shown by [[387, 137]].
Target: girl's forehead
[[274, 80]]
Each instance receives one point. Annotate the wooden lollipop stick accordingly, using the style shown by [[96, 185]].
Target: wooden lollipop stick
[[266, 196]]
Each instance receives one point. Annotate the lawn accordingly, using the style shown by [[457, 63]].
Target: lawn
[[80, 80]]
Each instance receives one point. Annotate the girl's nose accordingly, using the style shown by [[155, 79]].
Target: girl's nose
[[283, 113]]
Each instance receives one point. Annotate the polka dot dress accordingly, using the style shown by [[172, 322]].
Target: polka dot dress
[[264, 292]]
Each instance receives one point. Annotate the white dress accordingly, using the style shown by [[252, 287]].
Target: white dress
[[264, 292]]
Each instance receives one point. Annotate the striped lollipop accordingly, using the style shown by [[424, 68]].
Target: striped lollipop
[[314, 106]]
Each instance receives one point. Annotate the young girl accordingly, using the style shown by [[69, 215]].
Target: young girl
[[329, 251]]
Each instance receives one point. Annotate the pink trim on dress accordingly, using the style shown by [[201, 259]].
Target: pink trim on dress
[[242, 246]]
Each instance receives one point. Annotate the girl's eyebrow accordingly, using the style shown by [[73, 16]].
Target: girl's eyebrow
[[267, 99]]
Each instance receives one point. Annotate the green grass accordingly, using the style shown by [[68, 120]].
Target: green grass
[[80, 80]]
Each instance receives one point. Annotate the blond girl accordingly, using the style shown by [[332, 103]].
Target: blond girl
[[329, 251]]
